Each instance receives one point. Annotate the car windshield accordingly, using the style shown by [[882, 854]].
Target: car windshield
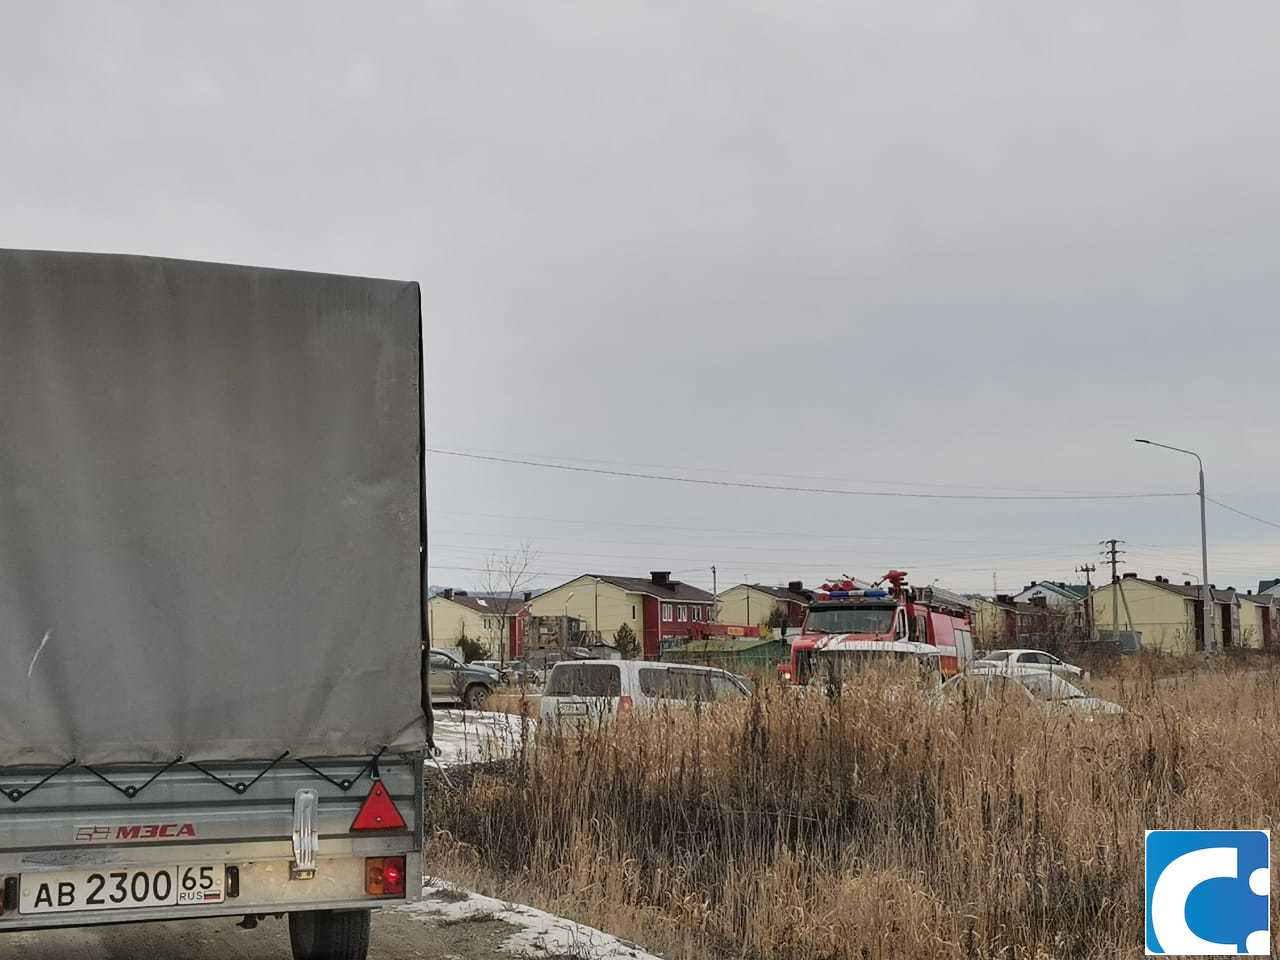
[[584, 680], [877, 620], [996, 656], [1048, 686]]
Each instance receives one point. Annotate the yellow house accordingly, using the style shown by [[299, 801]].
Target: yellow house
[[658, 610], [454, 614], [1166, 616], [753, 604]]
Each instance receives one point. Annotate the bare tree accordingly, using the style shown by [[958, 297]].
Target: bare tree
[[506, 576]]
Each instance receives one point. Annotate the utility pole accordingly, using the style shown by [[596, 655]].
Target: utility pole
[[1112, 555], [1113, 552], [1087, 569], [715, 597]]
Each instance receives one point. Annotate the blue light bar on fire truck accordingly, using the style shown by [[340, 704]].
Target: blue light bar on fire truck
[[849, 594]]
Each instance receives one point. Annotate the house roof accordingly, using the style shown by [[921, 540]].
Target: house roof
[[1071, 591], [671, 590], [1192, 592], [1269, 585], [1261, 599], [1195, 593], [780, 593], [486, 605]]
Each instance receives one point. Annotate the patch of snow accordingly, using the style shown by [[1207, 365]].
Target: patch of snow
[[475, 736], [539, 934]]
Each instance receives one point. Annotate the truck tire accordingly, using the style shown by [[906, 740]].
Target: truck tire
[[476, 696], [330, 934]]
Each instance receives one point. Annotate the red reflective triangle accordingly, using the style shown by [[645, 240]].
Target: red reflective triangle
[[378, 812]]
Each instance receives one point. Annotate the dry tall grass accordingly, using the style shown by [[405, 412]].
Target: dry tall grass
[[864, 826]]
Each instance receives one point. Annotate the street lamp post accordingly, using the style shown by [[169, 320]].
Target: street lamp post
[[1206, 619], [564, 624]]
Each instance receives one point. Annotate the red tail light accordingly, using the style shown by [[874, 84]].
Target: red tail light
[[384, 876], [378, 811], [625, 704]]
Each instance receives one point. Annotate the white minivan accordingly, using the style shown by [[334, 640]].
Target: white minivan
[[579, 690]]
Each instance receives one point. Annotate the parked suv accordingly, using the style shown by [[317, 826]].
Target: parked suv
[[578, 690], [453, 681]]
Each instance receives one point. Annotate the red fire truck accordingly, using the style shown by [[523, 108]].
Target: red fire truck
[[848, 616]]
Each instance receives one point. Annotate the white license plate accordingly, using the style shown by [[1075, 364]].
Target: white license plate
[[106, 889], [571, 709]]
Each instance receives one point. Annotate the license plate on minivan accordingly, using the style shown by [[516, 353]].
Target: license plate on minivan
[[571, 709], [85, 890]]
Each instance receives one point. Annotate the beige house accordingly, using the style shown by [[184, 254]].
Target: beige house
[[454, 614], [660, 611], [995, 622], [753, 604], [1258, 619], [1166, 616]]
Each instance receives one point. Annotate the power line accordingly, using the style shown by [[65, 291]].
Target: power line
[[781, 564], [684, 528], [747, 485], [1051, 551], [692, 544], [769, 473], [1243, 513]]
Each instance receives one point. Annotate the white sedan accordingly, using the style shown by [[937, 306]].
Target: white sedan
[[1044, 690], [1028, 659]]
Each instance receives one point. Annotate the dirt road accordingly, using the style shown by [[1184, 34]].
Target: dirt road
[[395, 937], [447, 925]]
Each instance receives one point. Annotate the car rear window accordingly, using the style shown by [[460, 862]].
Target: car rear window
[[996, 656], [584, 680]]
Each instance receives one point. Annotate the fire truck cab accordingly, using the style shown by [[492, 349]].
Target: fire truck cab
[[849, 615]]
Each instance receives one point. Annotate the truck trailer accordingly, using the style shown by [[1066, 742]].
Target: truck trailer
[[213, 699]]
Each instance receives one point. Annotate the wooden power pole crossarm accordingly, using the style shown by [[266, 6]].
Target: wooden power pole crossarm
[[1087, 569]]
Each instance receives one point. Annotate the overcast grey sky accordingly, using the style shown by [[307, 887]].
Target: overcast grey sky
[[965, 247]]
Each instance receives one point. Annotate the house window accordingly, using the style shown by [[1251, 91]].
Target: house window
[[682, 613], [666, 611], [633, 611]]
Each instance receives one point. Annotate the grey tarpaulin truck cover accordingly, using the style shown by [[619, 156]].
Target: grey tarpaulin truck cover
[[211, 520]]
